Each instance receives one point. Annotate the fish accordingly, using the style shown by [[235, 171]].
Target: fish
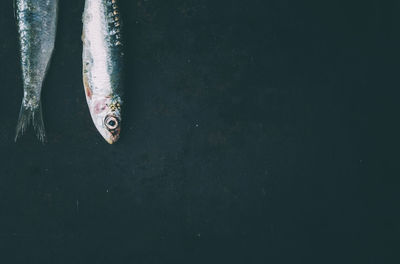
[[102, 66], [36, 23]]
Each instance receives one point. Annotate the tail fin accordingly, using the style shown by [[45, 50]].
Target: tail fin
[[26, 115]]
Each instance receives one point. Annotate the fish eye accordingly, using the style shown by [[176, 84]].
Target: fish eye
[[111, 122]]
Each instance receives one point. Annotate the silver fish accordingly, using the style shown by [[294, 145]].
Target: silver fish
[[36, 22], [102, 65]]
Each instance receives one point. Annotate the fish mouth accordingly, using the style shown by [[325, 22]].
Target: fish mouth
[[112, 140], [109, 141], [110, 136]]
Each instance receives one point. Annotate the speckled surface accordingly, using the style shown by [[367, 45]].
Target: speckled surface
[[246, 139]]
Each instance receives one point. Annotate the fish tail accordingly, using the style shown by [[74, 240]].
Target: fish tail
[[28, 115]]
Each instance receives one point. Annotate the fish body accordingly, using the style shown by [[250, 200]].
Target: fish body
[[102, 60], [36, 23]]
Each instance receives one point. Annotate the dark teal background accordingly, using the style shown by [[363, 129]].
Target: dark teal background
[[254, 132]]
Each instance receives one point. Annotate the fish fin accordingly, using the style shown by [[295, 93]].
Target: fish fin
[[26, 116]]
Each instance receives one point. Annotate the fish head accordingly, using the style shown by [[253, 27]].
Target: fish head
[[106, 115]]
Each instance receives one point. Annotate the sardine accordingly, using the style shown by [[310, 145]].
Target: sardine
[[102, 60], [36, 23]]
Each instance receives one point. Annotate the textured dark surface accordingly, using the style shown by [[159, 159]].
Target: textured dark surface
[[254, 132]]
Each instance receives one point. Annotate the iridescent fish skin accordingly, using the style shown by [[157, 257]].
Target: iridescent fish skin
[[36, 23], [102, 66]]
